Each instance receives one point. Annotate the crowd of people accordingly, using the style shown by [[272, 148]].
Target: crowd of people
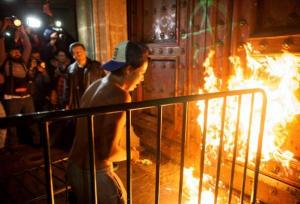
[[40, 75], [44, 78]]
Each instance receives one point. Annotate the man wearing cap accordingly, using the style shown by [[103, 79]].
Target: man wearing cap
[[126, 71], [82, 73], [17, 98]]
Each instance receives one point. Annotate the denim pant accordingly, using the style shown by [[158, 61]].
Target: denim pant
[[21, 106], [110, 189]]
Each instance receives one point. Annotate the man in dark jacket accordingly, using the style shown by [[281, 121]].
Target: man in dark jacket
[[81, 73]]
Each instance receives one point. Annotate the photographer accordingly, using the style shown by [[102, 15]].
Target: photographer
[[42, 87], [55, 39], [17, 99]]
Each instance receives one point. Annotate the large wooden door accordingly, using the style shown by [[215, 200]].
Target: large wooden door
[[180, 34], [159, 24]]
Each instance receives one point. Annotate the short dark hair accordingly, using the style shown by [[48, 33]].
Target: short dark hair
[[75, 44], [136, 55], [58, 51]]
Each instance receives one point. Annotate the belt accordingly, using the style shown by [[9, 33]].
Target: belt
[[8, 97]]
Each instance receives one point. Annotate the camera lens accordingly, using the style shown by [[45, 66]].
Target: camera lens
[[17, 22]]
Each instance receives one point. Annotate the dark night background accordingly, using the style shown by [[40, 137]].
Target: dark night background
[[63, 10]]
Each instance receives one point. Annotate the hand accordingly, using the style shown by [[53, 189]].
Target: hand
[[135, 155], [22, 29], [5, 24]]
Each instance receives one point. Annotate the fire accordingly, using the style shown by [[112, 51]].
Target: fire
[[192, 187], [279, 77]]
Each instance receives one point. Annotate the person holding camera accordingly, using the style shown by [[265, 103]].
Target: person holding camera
[[42, 87], [17, 99]]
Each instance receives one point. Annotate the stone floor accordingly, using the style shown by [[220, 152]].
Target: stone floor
[[22, 175], [22, 178]]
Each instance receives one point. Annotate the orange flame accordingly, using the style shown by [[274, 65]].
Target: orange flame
[[279, 77]]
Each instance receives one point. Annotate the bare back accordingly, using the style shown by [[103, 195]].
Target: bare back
[[108, 127]]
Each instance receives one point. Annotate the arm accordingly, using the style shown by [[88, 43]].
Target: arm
[[120, 145], [4, 25], [26, 44], [2, 50]]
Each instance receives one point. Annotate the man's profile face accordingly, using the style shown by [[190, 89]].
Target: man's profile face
[[15, 54], [79, 54], [136, 76]]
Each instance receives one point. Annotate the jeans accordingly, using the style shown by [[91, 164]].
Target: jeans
[[110, 189], [21, 106]]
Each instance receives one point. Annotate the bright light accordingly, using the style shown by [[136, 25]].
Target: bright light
[[7, 34], [17, 22], [58, 23], [278, 76], [33, 22]]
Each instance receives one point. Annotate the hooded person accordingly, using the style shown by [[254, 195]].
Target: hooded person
[[126, 71]]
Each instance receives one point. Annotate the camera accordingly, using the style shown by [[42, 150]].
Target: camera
[[14, 21], [41, 64]]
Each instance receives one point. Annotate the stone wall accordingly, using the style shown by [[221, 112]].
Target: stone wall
[[101, 25]]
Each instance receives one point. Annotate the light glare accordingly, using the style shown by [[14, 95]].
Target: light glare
[[58, 23], [33, 22]]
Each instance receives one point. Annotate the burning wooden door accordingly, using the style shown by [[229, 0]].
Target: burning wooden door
[[160, 24], [180, 35]]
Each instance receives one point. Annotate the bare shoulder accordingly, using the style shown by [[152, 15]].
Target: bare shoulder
[[104, 92], [118, 95], [109, 93], [90, 92]]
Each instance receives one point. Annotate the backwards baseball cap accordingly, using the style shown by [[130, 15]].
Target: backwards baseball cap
[[127, 53]]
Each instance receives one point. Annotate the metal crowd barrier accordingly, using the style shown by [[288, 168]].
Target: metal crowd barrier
[[46, 117]]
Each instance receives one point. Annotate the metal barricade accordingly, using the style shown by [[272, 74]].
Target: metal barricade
[[46, 117]]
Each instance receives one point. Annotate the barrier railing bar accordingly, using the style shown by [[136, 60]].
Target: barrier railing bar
[[158, 153], [183, 138], [235, 148], [48, 166], [128, 155], [93, 181], [247, 150], [220, 149], [259, 147], [202, 148], [61, 114]]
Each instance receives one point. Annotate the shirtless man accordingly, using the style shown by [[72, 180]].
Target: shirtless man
[[127, 70]]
